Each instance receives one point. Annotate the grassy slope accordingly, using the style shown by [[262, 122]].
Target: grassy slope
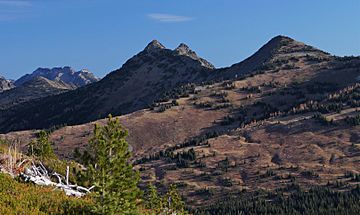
[[303, 145], [20, 198]]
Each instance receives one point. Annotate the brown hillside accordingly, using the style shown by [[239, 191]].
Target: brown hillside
[[294, 120]]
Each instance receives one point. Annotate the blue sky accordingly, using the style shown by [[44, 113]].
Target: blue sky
[[101, 35]]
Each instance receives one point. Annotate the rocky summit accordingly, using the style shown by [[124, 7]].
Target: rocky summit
[[183, 49], [61, 74], [5, 84], [143, 79]]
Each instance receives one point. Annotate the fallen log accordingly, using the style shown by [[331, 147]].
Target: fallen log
[[39, 175]]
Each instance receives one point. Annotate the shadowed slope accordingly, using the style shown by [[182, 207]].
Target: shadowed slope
[[140, 81]]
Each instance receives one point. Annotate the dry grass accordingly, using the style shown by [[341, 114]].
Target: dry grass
[[306, 152]]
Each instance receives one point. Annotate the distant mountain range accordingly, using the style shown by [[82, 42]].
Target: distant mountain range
[[145, 78], [41, 83], [136, 85], [60, 74], [282, 121], [33, 89]]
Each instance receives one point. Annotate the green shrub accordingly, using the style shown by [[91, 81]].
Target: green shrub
[[20, 198], [41, 147]]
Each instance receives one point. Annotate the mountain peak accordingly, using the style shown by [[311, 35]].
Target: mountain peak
[[85, 71], [279, 41], [284, 44], [65, 74], [154, 45], [183, 46], [281, 37], [5, 84], [184, 49], [279, 47]]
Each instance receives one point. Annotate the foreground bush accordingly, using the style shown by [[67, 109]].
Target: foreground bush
[[21, 198]]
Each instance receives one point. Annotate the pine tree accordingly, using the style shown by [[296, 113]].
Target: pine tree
[[41, 147], [173, 203], [169, 204], [115, 181], [152, 200]]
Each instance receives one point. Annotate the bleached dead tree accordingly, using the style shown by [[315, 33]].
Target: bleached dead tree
[[39, 175], [14, 164]]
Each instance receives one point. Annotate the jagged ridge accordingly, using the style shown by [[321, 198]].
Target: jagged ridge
[[64, 74], [136, 85], [33, 89], [5, 84]]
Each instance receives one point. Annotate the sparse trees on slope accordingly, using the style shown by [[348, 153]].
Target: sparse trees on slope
[[171, 203]]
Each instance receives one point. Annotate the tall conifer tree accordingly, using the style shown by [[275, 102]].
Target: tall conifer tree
[[111, 172]]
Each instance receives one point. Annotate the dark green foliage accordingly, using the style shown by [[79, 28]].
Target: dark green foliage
[[332, 159], [223, 105], [162, 107], [169, 152], [159, 107], [41, 147], [251, 89], [268, 173], [224, 164], [266, 66], [84, 157], [174, 102], [178, 92], [182, 163], [188, 155], [203, 104], [205, 192], [173, 201], [353, 176], [309, 174], [170, 203], [228, 120], [226, 182], [183, 159], [353, 121], [55, 127], [334, 102], [152, 200], [276, 159], [321, 87], [317, 201], [115, 181]]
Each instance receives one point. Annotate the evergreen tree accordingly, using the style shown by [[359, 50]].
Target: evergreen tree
[[173, 203], [152, 200], [115, 181], [41, 147], [169, 204]]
